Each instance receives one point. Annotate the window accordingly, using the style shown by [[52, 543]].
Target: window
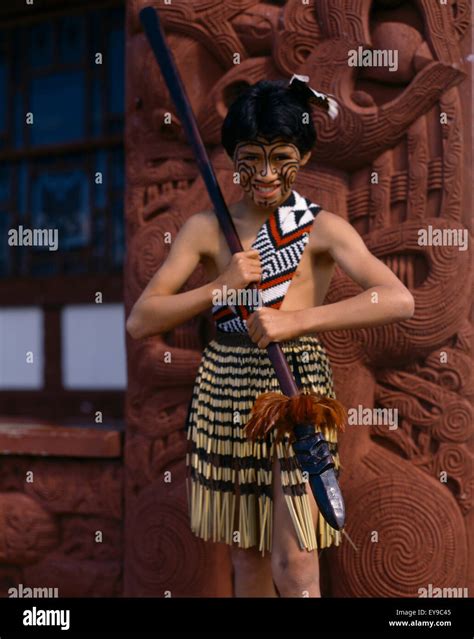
[[62, 176]]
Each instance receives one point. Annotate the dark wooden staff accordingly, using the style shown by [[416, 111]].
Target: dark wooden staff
[[296, 412]]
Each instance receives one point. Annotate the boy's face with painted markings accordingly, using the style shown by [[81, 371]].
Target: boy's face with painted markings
[[267, 170]]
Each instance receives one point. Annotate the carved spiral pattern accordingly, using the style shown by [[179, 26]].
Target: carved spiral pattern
[[149, 249], [456, 423], [416, 522], [342, 348], [451, 459], [163, 545]]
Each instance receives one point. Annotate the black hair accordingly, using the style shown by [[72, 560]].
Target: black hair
[[270, 110]]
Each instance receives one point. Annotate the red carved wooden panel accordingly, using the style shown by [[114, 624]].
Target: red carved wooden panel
[[61, 516], [392, 163]]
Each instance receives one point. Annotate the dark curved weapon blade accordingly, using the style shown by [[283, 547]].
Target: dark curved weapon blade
[[323, 481], [314, 457]]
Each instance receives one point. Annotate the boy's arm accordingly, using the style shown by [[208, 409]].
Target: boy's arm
[[385, 298], [159, 309]]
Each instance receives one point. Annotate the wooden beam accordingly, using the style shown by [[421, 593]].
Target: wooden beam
[[91, 144], [67, 407], [23, 437], [61, 289]]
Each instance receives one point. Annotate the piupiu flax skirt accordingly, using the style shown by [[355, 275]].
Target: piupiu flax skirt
[[224, 467]]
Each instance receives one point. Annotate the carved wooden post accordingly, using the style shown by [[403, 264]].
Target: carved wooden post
[[392, 164]]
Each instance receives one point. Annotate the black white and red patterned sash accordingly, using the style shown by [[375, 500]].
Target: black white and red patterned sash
[[280, 243]]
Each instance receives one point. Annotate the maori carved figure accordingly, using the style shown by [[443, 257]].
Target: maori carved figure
[[61, 529], [27, 533], [57, 487], [392, 164]]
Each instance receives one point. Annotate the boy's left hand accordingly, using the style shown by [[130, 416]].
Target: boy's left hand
[[267, 325]]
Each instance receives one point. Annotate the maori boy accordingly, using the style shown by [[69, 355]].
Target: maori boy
[[252, 494]]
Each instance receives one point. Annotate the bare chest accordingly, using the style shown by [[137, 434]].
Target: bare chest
[[309, 283]]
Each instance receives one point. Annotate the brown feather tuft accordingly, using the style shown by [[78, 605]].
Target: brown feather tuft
[[273, 410]]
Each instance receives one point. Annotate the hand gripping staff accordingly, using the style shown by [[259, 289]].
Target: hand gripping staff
[[293, 412]]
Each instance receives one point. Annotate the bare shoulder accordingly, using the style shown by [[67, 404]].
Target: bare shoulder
[[207, 220], [204, 219], [330, 223], [202, 230], [330, 229]]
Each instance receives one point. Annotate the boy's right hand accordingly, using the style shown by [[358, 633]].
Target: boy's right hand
[[243, 268]]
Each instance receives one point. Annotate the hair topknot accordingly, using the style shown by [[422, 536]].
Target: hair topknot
[[269, 109]]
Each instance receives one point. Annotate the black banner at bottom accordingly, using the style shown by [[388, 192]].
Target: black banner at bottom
[[436, 617]]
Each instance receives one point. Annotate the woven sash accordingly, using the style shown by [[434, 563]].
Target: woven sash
[[280, 243]]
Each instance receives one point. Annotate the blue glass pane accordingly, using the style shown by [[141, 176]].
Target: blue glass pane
[[117, 162], [115, 126], [74, 264], [96, 17], [5, 249], [71, 38], [57, 103], [116, 16], [5, 183], [19, 120], [115, 71], [60, 200], [118, 232], [100, 238], [46, 160], [100, 189], [43, 269], [97, 115], [41, 44], [22, 181], [3, 93], [16, 36]]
